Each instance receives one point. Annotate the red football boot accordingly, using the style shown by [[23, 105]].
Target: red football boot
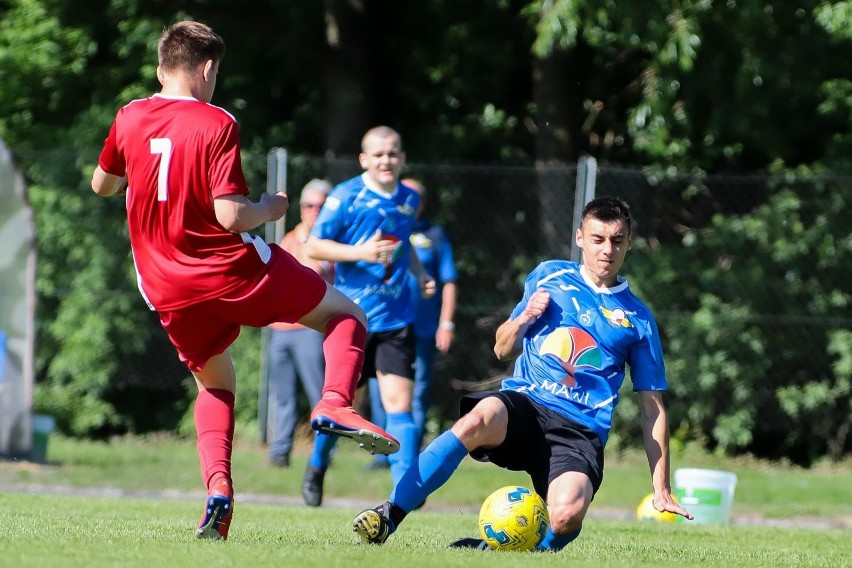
[[344, 421]]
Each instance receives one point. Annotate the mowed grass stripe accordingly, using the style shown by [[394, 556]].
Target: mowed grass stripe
[[70, 531]]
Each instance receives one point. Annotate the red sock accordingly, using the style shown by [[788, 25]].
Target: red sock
[[343, 347], [214, 424]]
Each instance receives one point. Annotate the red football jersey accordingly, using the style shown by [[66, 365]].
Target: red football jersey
[[178, 154]]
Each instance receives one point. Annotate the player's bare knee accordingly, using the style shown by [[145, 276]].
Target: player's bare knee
[[565, 519], [359, 314], [395, 401], [356, 312], [471, 429]]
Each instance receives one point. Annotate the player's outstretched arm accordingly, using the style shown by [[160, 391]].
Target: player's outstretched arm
[[237, 213], [655, 431]]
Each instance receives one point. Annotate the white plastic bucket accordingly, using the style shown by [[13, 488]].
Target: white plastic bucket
[[706, 493]]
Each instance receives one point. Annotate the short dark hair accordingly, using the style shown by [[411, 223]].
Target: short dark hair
[[381, 132], [609, 209], [186, 45]]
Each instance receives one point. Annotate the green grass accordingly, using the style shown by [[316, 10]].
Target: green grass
[[47, 531], [165, 463], [161, 475]]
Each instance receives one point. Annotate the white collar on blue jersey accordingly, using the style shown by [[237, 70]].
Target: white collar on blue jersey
[[386, 194], [621, 283]]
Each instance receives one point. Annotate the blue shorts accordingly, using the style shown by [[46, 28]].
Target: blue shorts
[[540, 441]]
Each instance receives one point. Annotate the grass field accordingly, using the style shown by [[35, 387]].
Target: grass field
[[134, 502]]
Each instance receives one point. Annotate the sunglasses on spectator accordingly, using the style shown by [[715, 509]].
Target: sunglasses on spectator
[[311, 205]]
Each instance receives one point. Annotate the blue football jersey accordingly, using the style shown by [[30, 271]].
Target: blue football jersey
[[433, 248], [351, 215], [574, 355]]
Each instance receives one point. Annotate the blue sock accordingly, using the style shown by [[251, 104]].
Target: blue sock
[[401, 426], [554, 542], [429, 471], [323, 445]]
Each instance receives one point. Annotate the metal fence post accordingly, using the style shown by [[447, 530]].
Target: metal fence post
[[276, 180], [587, 172]]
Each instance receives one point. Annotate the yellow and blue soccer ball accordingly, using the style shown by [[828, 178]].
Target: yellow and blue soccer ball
[[513, 518]]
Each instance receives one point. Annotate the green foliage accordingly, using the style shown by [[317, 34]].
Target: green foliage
[[752, 55], [247, 364], [715, 85], [688, 87], [39, 58], [710, 354], [822, 403], [835, 18], [737, 377]]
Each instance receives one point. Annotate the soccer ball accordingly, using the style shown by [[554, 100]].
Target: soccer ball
[[646, 511], [513, 518]]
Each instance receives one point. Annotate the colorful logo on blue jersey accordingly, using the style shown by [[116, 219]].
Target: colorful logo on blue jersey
[[420, 241], [396, 255], [617, 317], [406, 209], [573, 348]]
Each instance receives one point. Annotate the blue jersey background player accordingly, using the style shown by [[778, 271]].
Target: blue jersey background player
[[574, 331], [364, 228], [434, 328], [354, 214]]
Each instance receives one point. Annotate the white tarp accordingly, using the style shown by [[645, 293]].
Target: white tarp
[[17, 308]]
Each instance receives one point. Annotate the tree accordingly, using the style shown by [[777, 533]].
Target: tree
[[754, 323], [678, 89], [697, 85]]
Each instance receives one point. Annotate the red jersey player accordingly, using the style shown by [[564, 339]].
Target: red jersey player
[[188, 216]]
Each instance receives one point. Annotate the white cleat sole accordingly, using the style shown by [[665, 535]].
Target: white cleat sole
[[369, 441]]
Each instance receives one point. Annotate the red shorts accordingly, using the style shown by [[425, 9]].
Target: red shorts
[[288, 291]]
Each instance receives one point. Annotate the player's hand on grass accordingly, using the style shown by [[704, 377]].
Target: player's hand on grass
[[665, 503]]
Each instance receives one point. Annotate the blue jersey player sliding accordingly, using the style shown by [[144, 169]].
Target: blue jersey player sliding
[[574, 331]]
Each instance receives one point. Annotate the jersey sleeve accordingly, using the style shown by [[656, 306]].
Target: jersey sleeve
[[647, 367], [226, 169], [447, 264], [111, 160], [529, 289], [332, 216]]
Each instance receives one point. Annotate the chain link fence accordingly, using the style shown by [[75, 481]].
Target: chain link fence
[[748, 277]]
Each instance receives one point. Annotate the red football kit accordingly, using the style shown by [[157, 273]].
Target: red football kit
[[178, 154]]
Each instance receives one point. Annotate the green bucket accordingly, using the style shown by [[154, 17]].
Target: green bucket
[[43, 427]]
